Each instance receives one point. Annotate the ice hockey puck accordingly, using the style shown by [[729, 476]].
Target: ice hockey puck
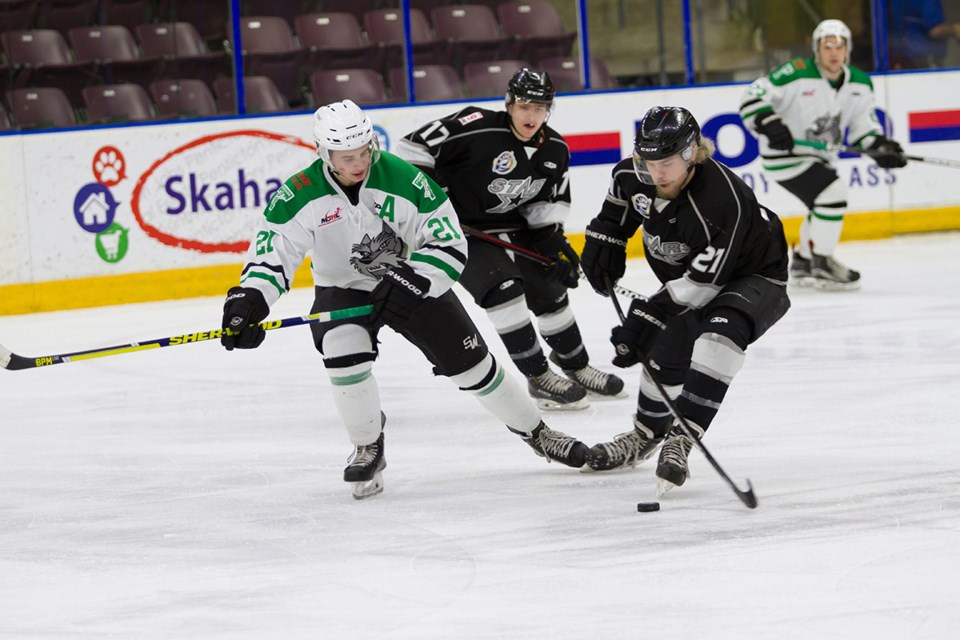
[[648, 506]]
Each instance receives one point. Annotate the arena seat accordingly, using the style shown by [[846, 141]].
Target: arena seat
[[183, 51], [385, 29], [113, 103], [115, 53], [41, 57], [187, 98], [471, 31], [489, 79], [565, 74], [261, 95], [269, 50], [334, 41], [363, 86], [41, 108], [431, 83], [535, 30]]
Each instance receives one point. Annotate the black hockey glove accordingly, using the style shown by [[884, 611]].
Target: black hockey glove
[[604, 255], [243, 307], [644, 322], [778, 134], [397, 296], [887, 153], [551, 243]]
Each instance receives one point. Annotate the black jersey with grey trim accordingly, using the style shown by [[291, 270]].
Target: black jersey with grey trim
[[493, 179], [715, 231]]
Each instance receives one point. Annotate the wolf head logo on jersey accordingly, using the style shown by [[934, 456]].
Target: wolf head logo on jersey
[[504, 163], [642, 204], [826, 128], [670, 252], [374, 255]]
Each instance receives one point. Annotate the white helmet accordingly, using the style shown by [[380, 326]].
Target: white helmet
[[343, 126], [832, 28]]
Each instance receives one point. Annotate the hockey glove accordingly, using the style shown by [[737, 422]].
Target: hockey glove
[[397, 296], [778, 134], [550, 242], [243, 310], [644, 322], [604, 255], [887, 153]]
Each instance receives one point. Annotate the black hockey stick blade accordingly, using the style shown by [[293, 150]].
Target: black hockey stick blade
[[14, 362], [747, 497]]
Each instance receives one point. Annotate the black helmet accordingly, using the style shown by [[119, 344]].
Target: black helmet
[[531, 85], [663, 132]]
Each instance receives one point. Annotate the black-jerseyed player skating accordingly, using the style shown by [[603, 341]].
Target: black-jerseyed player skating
[[722, 259], [506, 175]]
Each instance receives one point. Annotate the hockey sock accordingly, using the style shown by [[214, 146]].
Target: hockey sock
[[500, 394], [652, 411], [512, 322], [820, 230], [559, 330], [716, 359], [348, 357]]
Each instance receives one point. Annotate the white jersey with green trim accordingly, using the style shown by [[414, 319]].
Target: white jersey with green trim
[[401, 215], [813, 110]]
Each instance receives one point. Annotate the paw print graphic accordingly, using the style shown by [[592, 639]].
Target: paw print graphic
[[109, 166]]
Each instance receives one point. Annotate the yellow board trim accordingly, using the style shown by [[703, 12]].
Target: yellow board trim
[[214, 281]]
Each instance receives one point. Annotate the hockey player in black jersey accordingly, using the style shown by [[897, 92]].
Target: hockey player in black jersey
[[506, 175], [722, 259]]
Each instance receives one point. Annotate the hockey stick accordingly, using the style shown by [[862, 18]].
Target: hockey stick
[[746, 497], [823, 146], [536, 257], [14, 362]]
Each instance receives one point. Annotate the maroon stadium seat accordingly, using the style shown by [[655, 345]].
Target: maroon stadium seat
[[363, 86], [431, 83], [334, 41], [385, 30], [535, 29], [183, 98], [4, 119], [210, 17], [115, 53], [489, 79], [565, 73], [260, 95], [127, 13], [112, 103], [41, 108], [355, 7], [17, 15], [269, 50], [64, 15], [41, 57], [184, 52], [471, 31]]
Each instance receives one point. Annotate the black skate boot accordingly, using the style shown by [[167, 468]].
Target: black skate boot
[[832, 275], [672, 468], [553, 392], [594, 380], [554, 445], [627, 449], [364, 467], [800, 270]]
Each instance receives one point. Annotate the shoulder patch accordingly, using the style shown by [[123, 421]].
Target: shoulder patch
[[476, 115]]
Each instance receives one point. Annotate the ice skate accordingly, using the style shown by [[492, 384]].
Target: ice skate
[[800, 270], [672, 467], [554, 445], [553, 392], [593, 380], [627, 450], [364, 469], [830, 274]]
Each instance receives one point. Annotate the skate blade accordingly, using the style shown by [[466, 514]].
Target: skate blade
[[831, 285], [664, 486], [803, 281], [368, 488], [550, 405]]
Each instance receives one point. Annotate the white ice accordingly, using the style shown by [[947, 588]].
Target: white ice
[[188, 492]]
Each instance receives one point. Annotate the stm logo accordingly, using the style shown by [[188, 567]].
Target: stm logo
[[471, 342], [718, 320]]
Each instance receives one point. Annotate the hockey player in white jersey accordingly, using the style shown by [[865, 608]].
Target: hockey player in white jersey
[[379, 232], [817, 99]]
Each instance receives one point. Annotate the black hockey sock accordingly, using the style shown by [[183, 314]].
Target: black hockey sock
[[523, 345]]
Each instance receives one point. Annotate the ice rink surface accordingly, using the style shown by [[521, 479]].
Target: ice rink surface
[[189, 492]]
